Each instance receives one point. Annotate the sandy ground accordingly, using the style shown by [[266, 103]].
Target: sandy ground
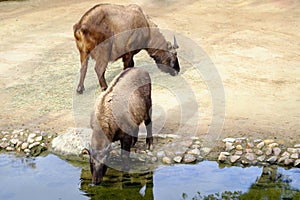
[[253, 46]]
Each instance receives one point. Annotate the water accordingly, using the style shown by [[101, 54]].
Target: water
[[50, 177]]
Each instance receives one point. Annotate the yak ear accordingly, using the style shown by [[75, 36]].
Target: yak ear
[[175, 46]]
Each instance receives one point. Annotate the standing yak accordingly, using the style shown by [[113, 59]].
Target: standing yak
[[108, 32]]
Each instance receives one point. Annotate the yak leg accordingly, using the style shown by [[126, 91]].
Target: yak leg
[[135, 136], [100, 67], [128, 60], [84, 58], [148, 124], [126, 142]]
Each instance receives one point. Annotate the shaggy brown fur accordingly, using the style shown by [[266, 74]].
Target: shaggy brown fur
[[118, 113], [132, 30]]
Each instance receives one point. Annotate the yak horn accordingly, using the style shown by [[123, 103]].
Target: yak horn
[[175, 43]]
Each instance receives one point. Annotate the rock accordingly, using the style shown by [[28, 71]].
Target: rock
[[4, 139], [160, 154], [223, 156], [30, 140], [150, 153], [14, 141], [33, 145], [295, 156], [260, 145], [167, 160], [205, 150], [194, 151], [39, 138], [177, 159], [268, 141], [288, 161], [195, 138], [286, 154], [250, 156], [153, 159], [231, 140], [234, 158], [197, 142], [229, 146], [257, 140], [71, 142], [297, 145], [10, 148], [261, 158], [297, 163], [27, 150], [3, 145], [239, 147], [258, 152], [282, 159], [249, 150], [195, 146], [269, 151], [24, 145], [273, 145], [189, 158], [272, 159], [276, 151], [32, 135], [249, 145], [17, 131], [238, 153], [292, 150]]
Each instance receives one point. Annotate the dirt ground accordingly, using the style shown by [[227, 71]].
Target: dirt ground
[[254, 46]]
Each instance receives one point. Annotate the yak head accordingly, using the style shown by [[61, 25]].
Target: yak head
[[167, 59], [97, 163]]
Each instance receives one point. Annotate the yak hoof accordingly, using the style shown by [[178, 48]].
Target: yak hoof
[[80, 89]]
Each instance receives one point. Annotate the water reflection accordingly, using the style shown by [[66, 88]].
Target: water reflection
[[53, 178]]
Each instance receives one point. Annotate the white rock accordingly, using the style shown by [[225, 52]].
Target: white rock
[[160, 154], [286, 154], [4, 139], [250, 156], [32, 135], [231, 140], [260, 145], [268, 141], [223, 156], [238, 152], [295, 156], [24, 145], [189, 158], [297, 145], [167, 160], [205, 150], [10, 148], [234, 158], [292, 150], [273, 145], [288, 161], [276, 151], [269, 151], [282, 159], [272, 159], [194, 151], [30, 140], [27, 150], [39, 138], [297, 163], [261, 158], [177, 159], [258, 152], [229, 146], [33, 145], [14, 141]]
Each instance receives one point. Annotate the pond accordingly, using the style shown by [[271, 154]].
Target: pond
[[50, 177]]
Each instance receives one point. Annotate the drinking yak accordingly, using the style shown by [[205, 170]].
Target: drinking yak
[[118, 113], [108, 32]]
